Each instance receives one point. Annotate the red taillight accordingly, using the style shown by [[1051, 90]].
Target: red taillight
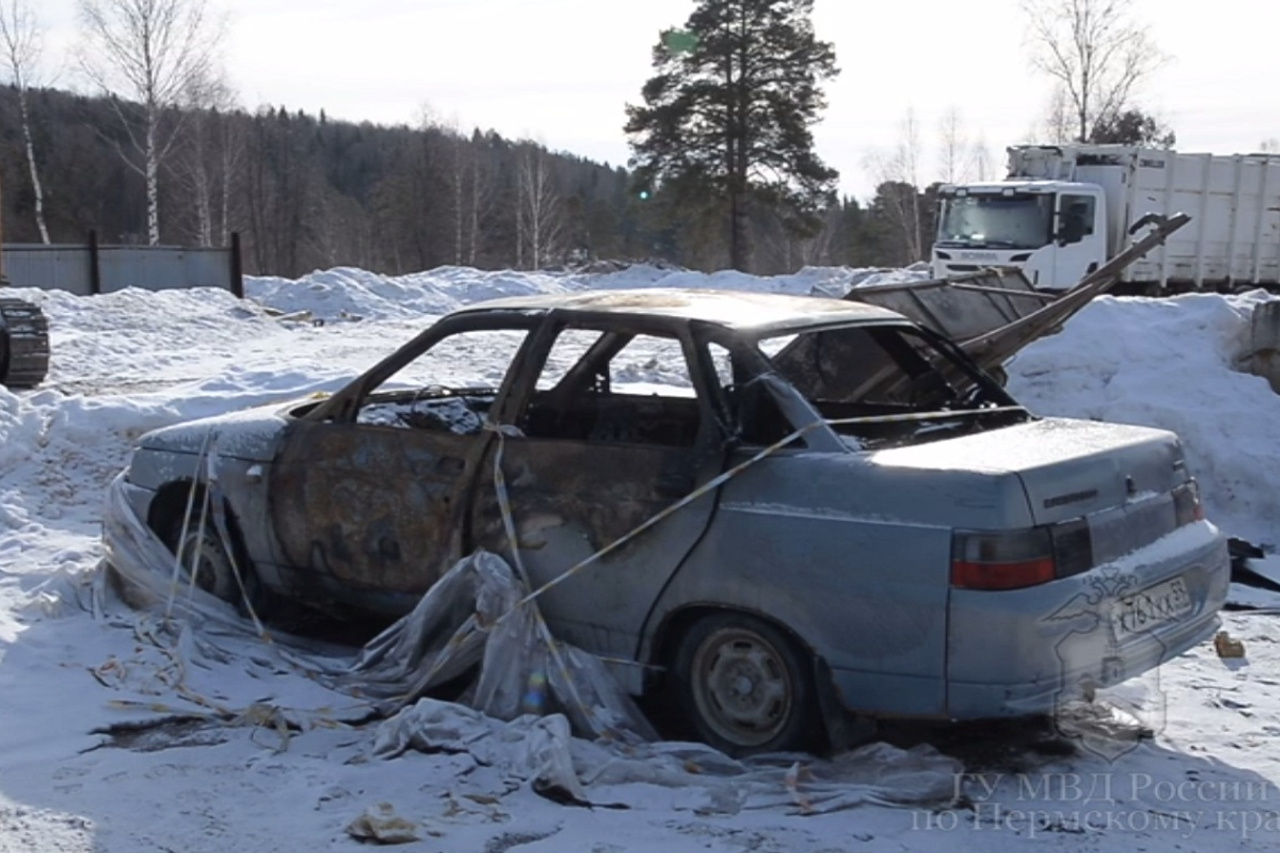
[[970, 575], [1007, 559]]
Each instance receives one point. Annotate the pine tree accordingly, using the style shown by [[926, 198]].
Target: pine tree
[[727, 116]]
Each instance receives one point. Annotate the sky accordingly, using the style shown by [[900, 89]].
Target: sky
[[561, 71]]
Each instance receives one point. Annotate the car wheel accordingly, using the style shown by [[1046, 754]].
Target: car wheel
[[203, 553], [745, 687]]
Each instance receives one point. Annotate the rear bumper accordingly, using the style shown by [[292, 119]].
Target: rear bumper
[[1025, 651]]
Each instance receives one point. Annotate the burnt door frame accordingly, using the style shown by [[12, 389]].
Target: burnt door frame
[[569, 502], [371, 514]]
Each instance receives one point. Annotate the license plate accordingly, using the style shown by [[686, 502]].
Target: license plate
[[1154, 606]]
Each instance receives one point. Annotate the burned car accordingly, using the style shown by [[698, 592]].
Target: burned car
[[782, 509]]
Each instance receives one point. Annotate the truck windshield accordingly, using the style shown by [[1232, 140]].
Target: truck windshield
[[997, 221]]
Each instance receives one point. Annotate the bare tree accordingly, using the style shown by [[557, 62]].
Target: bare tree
[[480, 196], [539, 217], [953, 146], [982, 170], [150, 51], [1095, 52], [960, 158], [464, 188], [902, 166], [208, 159], [1059, 122], [22, 40]]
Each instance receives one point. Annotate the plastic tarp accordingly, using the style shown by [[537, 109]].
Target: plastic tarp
[[529, 697], [469, 618], [582, 772]]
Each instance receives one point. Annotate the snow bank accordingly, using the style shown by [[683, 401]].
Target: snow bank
[[1170, 363], [352, 294], [252, 773]]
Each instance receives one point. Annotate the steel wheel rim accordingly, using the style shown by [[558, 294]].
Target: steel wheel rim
[[742, 687], [213, 573]]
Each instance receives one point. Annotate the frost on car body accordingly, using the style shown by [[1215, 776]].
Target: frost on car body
[[866, 521]]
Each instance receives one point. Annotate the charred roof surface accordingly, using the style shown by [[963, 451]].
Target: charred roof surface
[[731, 309]]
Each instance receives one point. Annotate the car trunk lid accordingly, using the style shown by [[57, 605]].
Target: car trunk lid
[[1069, 468]]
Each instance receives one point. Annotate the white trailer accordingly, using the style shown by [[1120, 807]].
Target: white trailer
[[1065, 210]]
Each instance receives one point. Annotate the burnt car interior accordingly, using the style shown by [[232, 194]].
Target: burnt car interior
[[884, 385], [411, 398], [587, 402], [461, 411]]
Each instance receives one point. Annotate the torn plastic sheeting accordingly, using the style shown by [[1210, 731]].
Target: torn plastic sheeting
[[541, 750], [528, 748], [451, 630]]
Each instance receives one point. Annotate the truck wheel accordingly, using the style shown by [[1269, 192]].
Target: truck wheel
[[744, 687], [203, 553]]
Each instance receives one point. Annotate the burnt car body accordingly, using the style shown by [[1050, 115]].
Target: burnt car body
[[898, 537]]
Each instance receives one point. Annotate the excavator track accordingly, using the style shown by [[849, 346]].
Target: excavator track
[[24, 344]]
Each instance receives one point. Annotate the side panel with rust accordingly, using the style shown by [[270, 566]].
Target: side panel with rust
[[369, 508], [572, 498]]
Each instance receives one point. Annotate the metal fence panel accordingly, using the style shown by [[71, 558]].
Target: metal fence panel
[[70, 268], [48, 267]]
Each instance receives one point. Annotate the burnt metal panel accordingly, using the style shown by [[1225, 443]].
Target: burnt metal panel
[[573, 498], [370, 506]]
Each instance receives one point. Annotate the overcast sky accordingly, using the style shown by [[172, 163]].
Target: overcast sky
[[560, 71]]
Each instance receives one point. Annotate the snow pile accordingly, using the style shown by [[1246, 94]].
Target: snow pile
[[346, 293], [94, 709], [1170, 363]]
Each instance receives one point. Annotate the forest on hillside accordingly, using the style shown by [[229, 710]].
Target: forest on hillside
[[306, 192]]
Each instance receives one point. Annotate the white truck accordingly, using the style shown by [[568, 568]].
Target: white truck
[[1065, 210]]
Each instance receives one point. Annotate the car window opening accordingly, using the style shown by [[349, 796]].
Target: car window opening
[[886, 386], [614, 387]]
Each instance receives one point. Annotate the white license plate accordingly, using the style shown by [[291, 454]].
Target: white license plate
[[1153, 607]]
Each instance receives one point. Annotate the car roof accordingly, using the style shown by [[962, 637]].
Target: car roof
[[731, 309]]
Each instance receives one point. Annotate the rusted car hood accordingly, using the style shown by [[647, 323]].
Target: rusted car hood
[[250, 434], [1068, 467]]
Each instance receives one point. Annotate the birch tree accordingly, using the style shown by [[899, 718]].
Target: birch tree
[[961, 158], [1095, 51], [208, 159], [149, 51], [22, 41], [539, 214]]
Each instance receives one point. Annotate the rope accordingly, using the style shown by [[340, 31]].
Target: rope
[[710, 486]]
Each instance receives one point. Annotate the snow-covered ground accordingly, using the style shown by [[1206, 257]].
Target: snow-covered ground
[[268, 760]]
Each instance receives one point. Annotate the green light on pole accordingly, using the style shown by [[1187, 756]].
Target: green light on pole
[[680, 41]]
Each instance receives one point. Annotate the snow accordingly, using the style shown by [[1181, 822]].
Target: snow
[[263, 758], [1170, 363]]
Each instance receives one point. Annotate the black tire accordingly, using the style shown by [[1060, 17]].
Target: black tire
[[745, 687], [215, 573]]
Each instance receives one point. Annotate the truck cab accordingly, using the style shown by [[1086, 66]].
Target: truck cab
[[1055, 231]]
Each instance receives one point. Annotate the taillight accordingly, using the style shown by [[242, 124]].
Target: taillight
[[1001, 560], [1013, 559], [1186, 504]]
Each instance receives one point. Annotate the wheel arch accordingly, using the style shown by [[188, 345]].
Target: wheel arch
[[842, 728], [678, 622], [170, 504]]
